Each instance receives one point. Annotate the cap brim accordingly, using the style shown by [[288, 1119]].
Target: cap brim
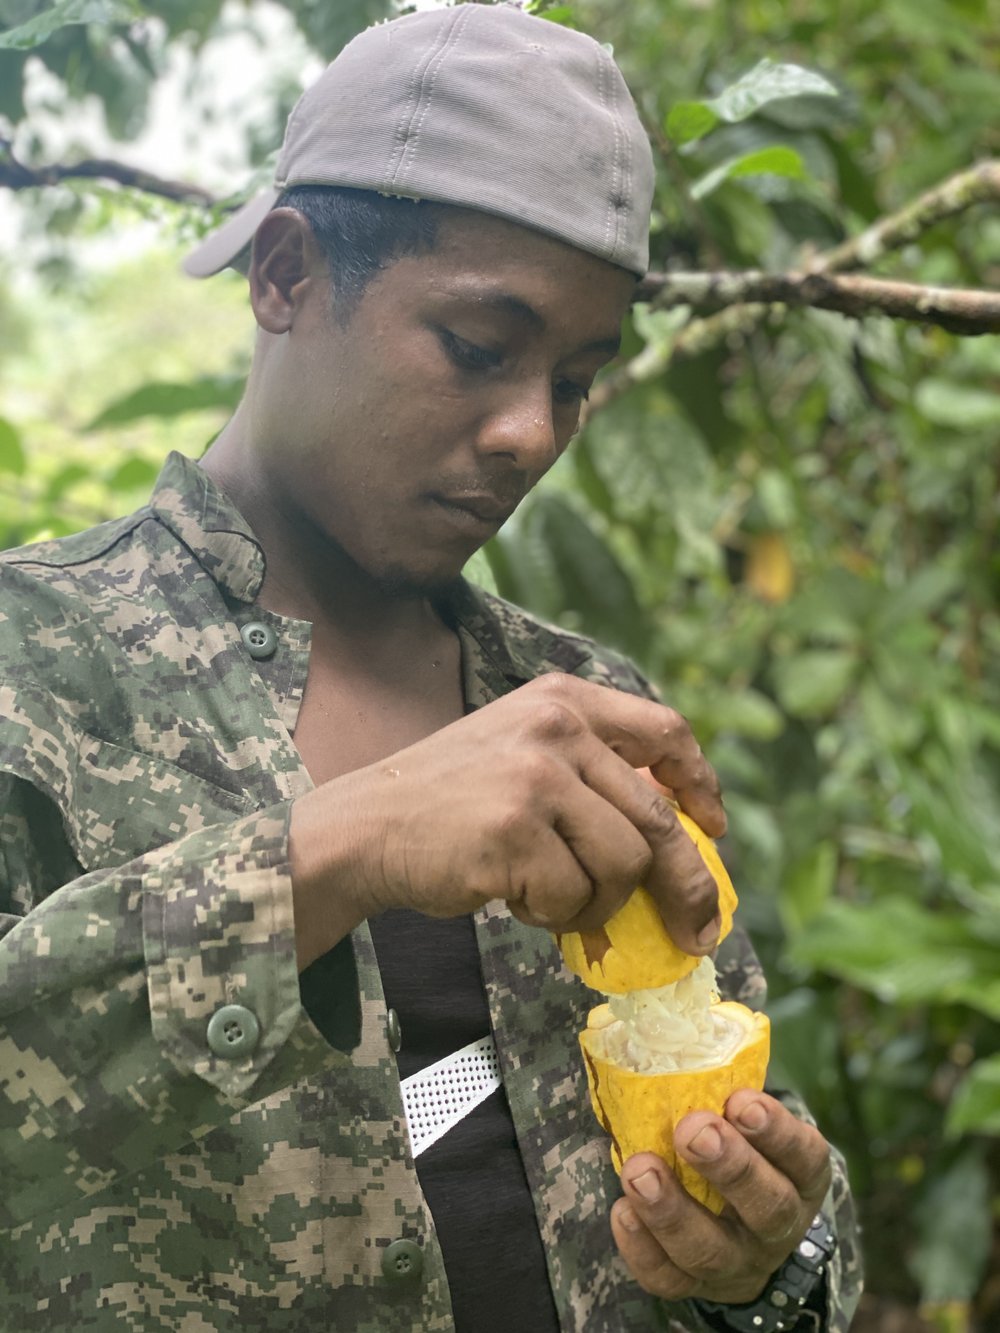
[[225, 245]]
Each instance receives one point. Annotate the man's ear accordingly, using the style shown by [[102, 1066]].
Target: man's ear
[[284, 259]]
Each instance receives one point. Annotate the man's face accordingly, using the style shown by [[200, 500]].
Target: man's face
[[408, 432]]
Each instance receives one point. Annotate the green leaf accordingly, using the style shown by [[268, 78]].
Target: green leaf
[[660, 329], [892, 723], [902, 952], [523, 566], [923, 594], [954, 803], [561, 14], [171, 400], [778, 160], [503, 579], [954, 1230], [975, 1107], [745, 713], [589, 479], [688, 121], [657, 328], [803, 1042], [808, 885], [593, 581], [65, 479], [759, 827], [812, 683], [11, 450], [478, 570], [767, 82], [133, 473], [835, 607], [36, 30], [776, 496], [947, 403]]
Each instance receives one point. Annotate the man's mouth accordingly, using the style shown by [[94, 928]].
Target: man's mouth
[[476, 511]]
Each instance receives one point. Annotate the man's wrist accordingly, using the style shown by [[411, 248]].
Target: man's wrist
[[794, 1300], [325, 894]]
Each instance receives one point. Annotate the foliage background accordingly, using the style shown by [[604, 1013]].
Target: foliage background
[[793, 532]]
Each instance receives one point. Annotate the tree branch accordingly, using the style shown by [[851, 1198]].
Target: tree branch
[[16, 176], [959, 310], [855, 297], [700, 335], [977, 185], [739, 300]]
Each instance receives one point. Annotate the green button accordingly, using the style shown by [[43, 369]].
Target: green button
[[233, 1032], [394, 1030], [260, 639], [402, 1261]]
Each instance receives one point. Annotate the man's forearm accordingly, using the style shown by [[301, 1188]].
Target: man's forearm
[[325, 890]]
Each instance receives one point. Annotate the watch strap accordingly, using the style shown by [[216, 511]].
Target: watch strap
[[779, 1306]]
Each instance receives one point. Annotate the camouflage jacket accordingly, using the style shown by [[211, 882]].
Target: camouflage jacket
[[146, 775]]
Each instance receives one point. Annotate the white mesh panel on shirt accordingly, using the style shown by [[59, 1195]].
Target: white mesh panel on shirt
[[437, 1098]]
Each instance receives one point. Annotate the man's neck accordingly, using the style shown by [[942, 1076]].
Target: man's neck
[[310, 578]]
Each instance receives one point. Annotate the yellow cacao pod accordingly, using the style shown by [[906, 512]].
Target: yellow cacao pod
[[641, 1111], [633, 949]]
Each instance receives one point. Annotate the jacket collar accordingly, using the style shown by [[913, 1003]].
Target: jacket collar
[[503, 646], [200, 515]]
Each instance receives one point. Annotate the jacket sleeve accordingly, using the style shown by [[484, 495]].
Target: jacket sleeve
[[109, 981]]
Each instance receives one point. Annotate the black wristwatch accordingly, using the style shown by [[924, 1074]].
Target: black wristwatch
[[782, 1303]]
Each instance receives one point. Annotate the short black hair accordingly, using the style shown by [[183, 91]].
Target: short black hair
[[362, 232]]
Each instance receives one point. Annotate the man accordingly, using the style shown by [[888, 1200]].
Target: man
[[290, 812]]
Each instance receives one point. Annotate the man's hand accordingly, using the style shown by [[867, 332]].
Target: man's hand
[[534, 799], [773, 1172]]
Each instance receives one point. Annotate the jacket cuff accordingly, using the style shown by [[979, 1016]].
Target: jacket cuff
[[219, 937]]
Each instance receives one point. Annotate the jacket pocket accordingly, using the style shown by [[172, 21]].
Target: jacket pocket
[[122, 803]]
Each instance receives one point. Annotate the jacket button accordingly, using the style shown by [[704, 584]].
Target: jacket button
[[394, 1030], [260, 639], [402, 1261], [233, 1032]]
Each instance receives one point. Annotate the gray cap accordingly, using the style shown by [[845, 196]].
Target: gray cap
[[482, 106]]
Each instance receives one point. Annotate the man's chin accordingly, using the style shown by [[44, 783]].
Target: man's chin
[[410, 584]]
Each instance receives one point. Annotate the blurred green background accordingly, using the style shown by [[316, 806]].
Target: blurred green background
[[794, 531]]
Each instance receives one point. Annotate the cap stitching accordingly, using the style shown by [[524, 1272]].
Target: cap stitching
[[409, 110], [621, 196], [623, 189], [406, 163], [602, 93]]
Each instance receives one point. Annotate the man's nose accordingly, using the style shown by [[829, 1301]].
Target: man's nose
[[521, 426]]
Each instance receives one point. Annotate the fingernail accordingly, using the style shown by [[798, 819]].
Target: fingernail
[[708, 935], [706, 1144], [753, 1116], [648, 1186], [628, 1219]]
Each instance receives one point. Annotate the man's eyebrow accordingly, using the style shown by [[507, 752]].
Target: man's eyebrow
[[505, 303], [605, 346]]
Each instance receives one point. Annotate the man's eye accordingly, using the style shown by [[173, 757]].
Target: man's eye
[[467, 355], [567, 391]]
